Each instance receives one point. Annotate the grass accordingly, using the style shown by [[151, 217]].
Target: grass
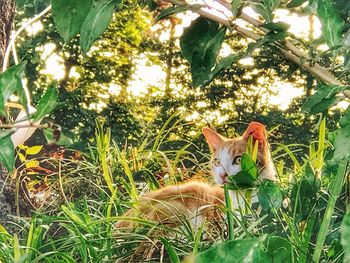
[[98, 190]]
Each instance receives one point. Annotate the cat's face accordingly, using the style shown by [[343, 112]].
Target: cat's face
[[227, 153]]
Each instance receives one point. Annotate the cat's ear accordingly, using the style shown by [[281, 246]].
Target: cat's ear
[[213, 138], [258, 132]]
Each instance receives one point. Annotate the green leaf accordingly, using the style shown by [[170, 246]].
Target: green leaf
[[224, 63], [10, 82], [295, 3], [248, 175], [342, 138], [270, 195], [46, 104], [345, 237], [241, 180], [232, 58], [278, 26], [170, 11], [95, 23], [342, 7], [6, 133], [236, 251], [248, 165], [332, 24], [347, 60], [262, 10], [69, 16], [200, 45], [273, 4], [345, 119], [324, 98], [7, 153], [235, 5], [279, 249], [265, 8]]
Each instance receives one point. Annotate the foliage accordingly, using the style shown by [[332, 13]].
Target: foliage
[[80, 229], [109, 33]]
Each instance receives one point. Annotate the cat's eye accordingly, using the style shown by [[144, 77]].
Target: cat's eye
[[216, 162], [237, 160]]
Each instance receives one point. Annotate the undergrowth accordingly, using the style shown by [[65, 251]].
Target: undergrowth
[[92, 194]]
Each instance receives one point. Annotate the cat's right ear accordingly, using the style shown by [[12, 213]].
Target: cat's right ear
[[213, 138]]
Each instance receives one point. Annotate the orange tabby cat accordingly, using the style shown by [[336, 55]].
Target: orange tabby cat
[[199, 201]]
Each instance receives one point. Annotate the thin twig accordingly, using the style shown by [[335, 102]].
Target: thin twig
[[19, 31], [20, 126]]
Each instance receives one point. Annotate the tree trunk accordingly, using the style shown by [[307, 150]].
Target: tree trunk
[[7, 14]]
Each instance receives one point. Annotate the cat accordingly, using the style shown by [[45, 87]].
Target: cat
[[201, 201]]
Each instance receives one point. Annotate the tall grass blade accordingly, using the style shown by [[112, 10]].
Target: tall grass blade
[[335, 192], [16, 249], [103, 143], [174, 258], [320, 149], [122, 158]]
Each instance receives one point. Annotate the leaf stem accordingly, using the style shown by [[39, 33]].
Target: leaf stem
[[229, 213]]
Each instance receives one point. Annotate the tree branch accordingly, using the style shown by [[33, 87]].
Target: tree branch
[[289, 50], [316, 69]]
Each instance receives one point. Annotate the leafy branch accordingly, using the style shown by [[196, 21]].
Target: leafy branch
[[288, 49]]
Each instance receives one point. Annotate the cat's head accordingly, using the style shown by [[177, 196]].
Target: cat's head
[[227, 153]]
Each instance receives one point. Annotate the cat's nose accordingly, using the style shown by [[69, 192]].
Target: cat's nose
[[224, 177]]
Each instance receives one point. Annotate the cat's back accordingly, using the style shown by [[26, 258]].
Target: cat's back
[[192, 189]]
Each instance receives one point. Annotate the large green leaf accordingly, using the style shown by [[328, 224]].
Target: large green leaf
[[5, 133], [69, 16], [46, 103], [10, 82], [345, 237], [342, 7], [7, 153], [236, 251], [95, 23], [270, 195], [278, 33], [247, 177], [324, 98], [241, 180], [224, 63], [248, 165], [279, 249], [342, 138], [200, 45], [332, 24]]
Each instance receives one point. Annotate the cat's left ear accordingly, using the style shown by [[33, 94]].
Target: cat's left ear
[[258, 132], [214, 139]]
